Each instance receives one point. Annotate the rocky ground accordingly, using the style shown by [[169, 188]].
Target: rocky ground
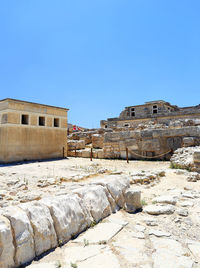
[[165, 234]]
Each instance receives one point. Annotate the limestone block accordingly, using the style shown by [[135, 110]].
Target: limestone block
[[95, 199], [97, 141], [116, 186], [76, 144], [86, 153], [150, 145], [188, 141], [7, 249], [100, 154], [23, 234], [132, 200], [42, 223], [196, 157], [69, 215]]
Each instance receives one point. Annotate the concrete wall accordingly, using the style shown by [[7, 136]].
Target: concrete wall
[[31, 141]]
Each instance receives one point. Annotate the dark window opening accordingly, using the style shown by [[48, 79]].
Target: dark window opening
[[155, 109], [56, 122], [41, 121], [24, 119], [126, 125], [132, 113], [106, 126]]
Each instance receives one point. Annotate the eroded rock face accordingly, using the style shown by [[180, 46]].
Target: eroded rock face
[[23, 234], [7, 249], [95, 199], [116, 186], [69, 215], [43, 227]]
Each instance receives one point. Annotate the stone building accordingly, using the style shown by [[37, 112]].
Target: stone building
[[158, 111], [31, 131]]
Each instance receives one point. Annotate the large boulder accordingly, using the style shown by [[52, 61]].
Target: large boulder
[[22, 234], [69, 215], [7, 249], [43, 227]]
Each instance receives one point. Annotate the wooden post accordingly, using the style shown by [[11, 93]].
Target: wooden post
[[91, 155], [63, 152], [75, 151], [127, 155]]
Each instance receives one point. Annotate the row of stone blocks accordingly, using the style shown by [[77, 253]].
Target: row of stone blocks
[[30, 229]]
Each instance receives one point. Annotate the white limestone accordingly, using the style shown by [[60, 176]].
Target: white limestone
[[44, 233], [69, 215], [95, 199], [7, 249], [23, 234]]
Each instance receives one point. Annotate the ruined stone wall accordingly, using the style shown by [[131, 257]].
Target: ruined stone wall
[[147, 141]]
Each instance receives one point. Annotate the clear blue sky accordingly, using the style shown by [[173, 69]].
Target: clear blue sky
[[97, 56]]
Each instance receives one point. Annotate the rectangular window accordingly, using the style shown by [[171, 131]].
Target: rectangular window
[[126, 125], [132, 111], [41, 121], [155, 109], [25, 119], [56, 122]]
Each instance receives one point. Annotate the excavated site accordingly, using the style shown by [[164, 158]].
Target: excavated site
[[108, 212]]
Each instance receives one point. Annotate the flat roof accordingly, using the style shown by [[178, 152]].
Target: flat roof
[[10, 99]]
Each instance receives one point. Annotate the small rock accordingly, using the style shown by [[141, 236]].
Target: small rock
[[151, 222], [158, 233], [166, 199], [157, 210], [188, 195], [182, 212], [186, 204]]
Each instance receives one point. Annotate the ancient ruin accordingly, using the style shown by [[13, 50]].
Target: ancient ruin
[[77, 213], [31, 131], [152, 131], [161, 112]]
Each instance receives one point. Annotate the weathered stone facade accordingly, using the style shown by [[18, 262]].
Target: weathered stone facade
[[157, 111], [150, 141], [31, 131]]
